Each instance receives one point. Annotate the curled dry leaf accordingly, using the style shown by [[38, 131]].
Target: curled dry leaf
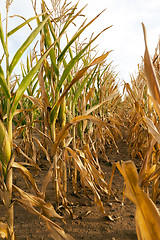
[[43, 149], [47, 208], [32, 162], [27, 175]]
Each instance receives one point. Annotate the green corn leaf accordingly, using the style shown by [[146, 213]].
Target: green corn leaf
[[26, 81], [25, 45], [80, 88], [75, 37], [22, 25], [3, 84], [91, 78], [48, 43], [2, 37], [74, 60]]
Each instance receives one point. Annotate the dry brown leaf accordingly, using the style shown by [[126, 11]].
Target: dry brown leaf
[[27, 175], [19, 150], [43, 149], [47, 208]]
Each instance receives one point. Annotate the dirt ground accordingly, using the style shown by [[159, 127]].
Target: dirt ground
[[89, 222]]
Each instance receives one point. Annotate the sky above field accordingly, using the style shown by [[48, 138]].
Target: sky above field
[[125, 38]]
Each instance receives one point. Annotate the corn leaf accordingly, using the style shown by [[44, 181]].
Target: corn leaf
[[48, 43], [80, 88], [25, 45], [27, 175], [22, 25], [2, 37], [147, 215], [152, 128], [152, 81], [26, 81], [38, 202], [3, 84], [86, 178]]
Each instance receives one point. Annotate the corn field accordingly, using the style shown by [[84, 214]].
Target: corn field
[[63, 115]]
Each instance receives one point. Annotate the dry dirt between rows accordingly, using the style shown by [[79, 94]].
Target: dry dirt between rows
[[92, 226]]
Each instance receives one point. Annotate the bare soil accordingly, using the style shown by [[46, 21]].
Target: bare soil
[[88, 222]]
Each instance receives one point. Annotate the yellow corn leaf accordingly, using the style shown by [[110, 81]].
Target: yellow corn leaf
[[129, 90], [147, 215], [152, 81], [3, 230], [88, 117], [99, 59], [156, 105], [152, 128], [17, 111]]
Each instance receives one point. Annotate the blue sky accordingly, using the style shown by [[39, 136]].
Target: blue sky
[[125, 37]]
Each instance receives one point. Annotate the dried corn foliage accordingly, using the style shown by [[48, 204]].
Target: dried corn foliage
[[144, 136]]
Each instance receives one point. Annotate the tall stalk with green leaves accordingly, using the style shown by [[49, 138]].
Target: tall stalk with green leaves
[[11, 101]]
